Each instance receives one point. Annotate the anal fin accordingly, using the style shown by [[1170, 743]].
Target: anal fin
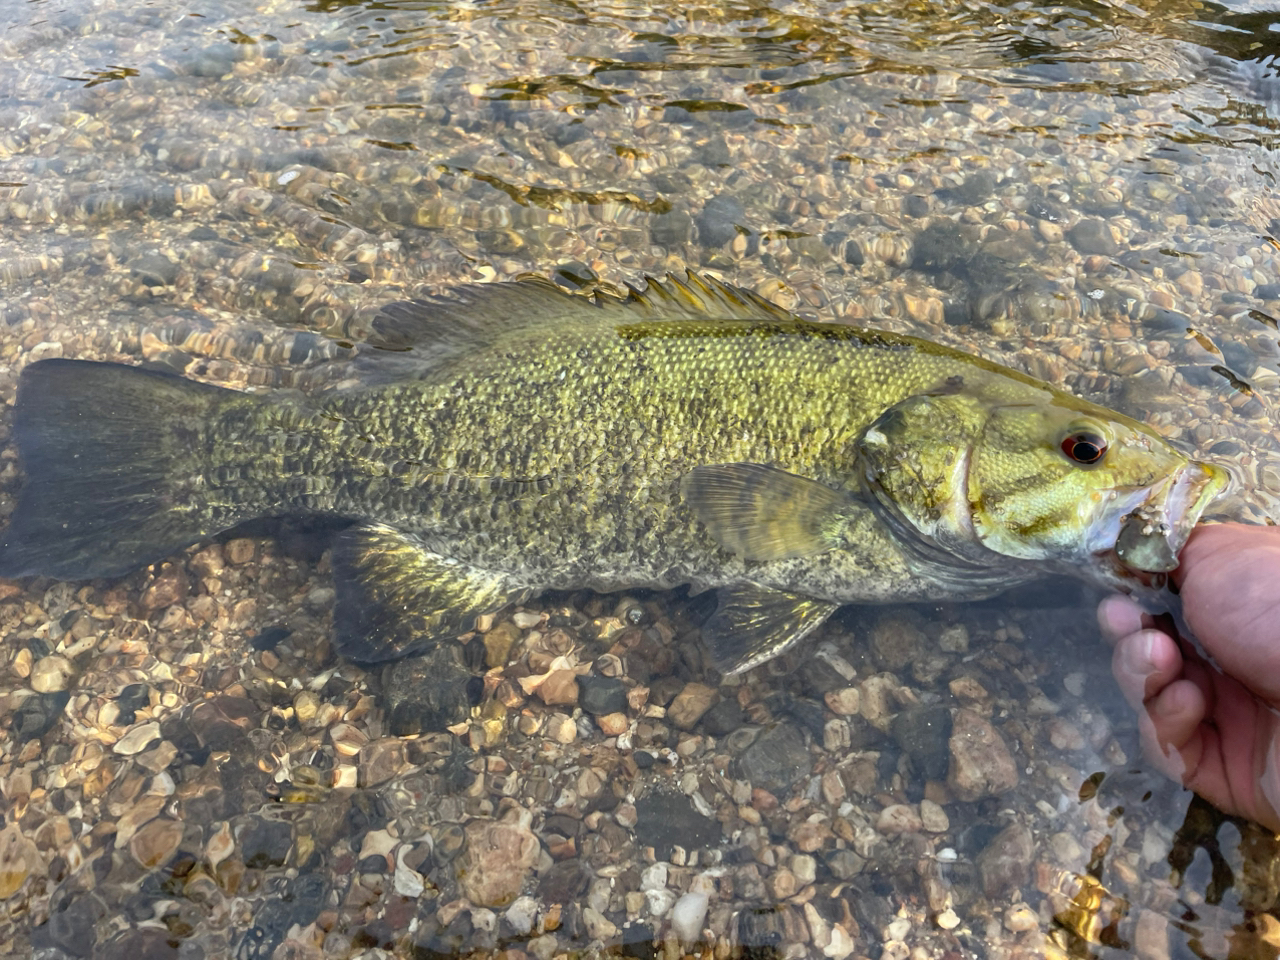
[[395, 597], [752, 625]]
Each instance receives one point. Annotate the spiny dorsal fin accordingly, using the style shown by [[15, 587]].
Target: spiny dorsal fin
[[763, 513], [700, 297]]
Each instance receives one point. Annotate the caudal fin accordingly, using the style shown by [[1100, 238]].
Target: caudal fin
[[111, 455]]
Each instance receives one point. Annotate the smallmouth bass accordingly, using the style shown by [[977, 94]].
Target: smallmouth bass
[[512, 438]]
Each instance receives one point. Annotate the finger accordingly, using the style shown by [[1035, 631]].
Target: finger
[[1144, 663], [1171, 730], [1118, 616]]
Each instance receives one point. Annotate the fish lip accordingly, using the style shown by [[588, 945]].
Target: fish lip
[[1148, 537]]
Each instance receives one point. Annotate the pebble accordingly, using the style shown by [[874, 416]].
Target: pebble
[[407, 882], [1004, 865], [844, 702], [981, 765], [521, 914], [51, 674], [776, 759], [613, 724], [933, 817], [168, 587], [602, 695], [841, 944], [498, 857], [156, 841], [17, 857], [690, 704], [137, 739], [899, 818], [561, 728], [1019, 917], [599, 927], [526, 619], [560, 689], [239, 551], [22, 663], [688, 915]]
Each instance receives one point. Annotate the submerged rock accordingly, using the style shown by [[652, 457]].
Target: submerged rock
[[981, 765], [776, 759], [498, 858]]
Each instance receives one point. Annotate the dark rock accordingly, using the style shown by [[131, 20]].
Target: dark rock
[[564, 882], [1005, 864], [72, 919], [775, 760], [671, 229], [154, 270], [924, 734], [1093, 237], [130, 700], [599, 696], [720, 220], [940, 247], [844, 864], [269, 638], [915, 206], [574, 275], [428, 693], [266, 843], [37, 714], [664, 820], [723, 718], [976, 188]]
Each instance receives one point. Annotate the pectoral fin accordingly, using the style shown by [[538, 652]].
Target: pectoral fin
[[762, 513], [752, 625], [395, 597]]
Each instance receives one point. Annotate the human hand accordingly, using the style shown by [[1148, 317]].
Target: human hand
[[1215, 731]]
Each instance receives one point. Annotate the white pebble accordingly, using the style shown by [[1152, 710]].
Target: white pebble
[[687, 916], [521, 915]]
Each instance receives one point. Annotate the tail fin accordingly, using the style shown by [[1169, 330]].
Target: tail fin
[[112, 461]]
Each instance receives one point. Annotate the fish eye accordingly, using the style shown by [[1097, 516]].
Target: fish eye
[[1084, 446]]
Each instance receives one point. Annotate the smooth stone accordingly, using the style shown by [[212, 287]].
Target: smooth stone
[[688, 915], [521, 915], [691, 704], [599, 696], [923, 734], [138, 739], [51, 674], [981, 765], [1005, 863], [498, 858], [156, 841], [775, 760]]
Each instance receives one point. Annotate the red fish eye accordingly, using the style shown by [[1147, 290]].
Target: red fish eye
[[1084, 447]]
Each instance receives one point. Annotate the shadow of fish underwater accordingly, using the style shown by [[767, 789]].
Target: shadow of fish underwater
[[513, 438]]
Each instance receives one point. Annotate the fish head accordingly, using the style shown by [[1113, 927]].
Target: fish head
[[1036, 477]]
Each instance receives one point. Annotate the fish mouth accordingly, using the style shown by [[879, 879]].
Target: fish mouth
[[1151, 535]]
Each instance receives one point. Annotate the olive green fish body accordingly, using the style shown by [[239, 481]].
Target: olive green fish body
[[516, 439]]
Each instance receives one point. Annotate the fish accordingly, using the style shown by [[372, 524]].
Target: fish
[[501, 440]]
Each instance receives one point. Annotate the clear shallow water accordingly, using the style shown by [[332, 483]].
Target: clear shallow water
[[1085, 192]]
